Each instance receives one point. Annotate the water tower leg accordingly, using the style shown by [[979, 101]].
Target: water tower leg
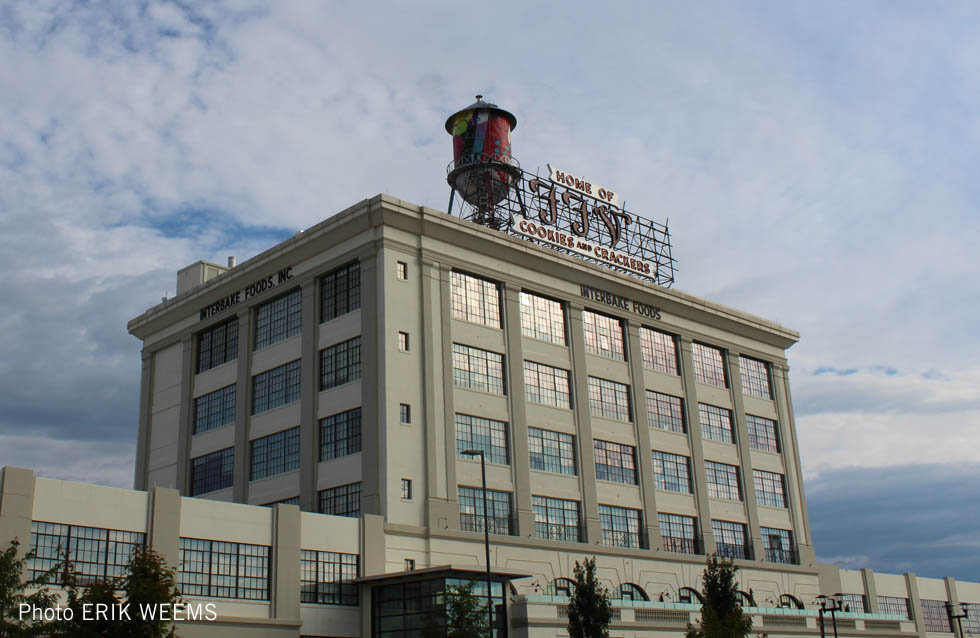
[[452, 194]]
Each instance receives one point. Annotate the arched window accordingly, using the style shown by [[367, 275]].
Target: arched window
[[688, 595], [561, 587], [791, 602], [745, 599], [629, 591]]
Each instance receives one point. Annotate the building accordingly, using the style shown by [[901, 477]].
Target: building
[[347, 370]]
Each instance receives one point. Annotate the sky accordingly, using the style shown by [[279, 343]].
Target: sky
[[816, 162]]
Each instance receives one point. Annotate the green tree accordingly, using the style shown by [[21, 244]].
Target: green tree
[[589, 609], [147, 582], [14, 593], [463, 615], [721, 613]]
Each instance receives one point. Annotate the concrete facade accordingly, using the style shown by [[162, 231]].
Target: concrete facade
[[165, 517], [408, 258]]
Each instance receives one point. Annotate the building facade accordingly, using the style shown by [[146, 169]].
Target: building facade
[[352, 370]]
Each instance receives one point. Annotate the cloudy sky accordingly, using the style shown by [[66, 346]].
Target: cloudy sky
[[817, 163]]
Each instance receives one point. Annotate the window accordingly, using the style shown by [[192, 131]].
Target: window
[[279, 319], [340, 434], [542, 319], [609, 399], [403, 342], [475, 299], [471, 510], [546, 385], [778, 544], [402, 270], [709, 365], [935, 617], [292, 500], [762, 433], [603, 335], [615, 462], [770, 488], [730, 539], [340, 292], [410, 564], [217, 345], [557, 519], [678, 533], [552, 451], [404, 413], [665, 412], [755, 377], [340, 363], [213, 471], [96, 554], [620, 526], [561, 587], [671, 472], [477, 433], [214, 409], [477, 369], [716, 423], [971, 624], [327, 578], [688, 595], [218, 569], [629, 591], [276, 387], [406, 489], [722, 481], [658, 350], [344, 500], [853, 603], [896, 606], [275, 454]]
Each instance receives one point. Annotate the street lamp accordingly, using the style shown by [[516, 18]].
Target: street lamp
[[959, 617], [486, 533], [835, 606]]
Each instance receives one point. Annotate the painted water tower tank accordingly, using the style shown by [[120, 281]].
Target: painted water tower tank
[[483, 168]]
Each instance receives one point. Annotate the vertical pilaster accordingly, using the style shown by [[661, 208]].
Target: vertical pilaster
[[643, 445], [697, 445], [164, 525], [954, 599], [449, 407], [286, 523], [912, 586], [432, 416], [16, 508], [185, 425], [583, 421], [309, 398], [789, 447], [520, 454], [745, 454], [373, 366], [141, 474], [870, 590], [243, 405]]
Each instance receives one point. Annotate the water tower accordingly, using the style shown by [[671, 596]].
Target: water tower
[[483, 169]]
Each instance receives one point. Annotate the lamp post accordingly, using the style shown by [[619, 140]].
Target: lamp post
[[959, 617], [833, 608], [486, 534]]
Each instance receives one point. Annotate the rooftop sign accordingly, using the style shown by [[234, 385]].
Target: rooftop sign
[[569, 214]]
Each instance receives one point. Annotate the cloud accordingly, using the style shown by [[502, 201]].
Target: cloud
[[921, 519]]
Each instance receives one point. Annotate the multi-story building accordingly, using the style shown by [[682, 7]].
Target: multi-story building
[[353, 369]]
